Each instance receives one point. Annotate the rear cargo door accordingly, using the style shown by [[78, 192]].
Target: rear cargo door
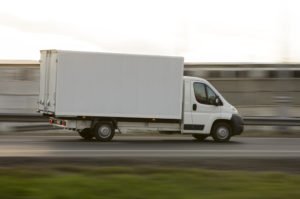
[[47, 95]]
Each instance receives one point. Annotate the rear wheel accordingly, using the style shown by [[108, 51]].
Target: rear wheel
[[86, 134], [104, 132], [200, 137], [221, 132]]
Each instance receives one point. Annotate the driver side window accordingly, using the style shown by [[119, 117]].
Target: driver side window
[[200, 93], [204, 94]]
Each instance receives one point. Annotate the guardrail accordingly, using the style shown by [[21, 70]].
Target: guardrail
[[271, 121], [22, 117]]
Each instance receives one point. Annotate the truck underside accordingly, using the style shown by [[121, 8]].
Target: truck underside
[[103, 129]]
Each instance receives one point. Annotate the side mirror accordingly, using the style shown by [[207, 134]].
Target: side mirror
[[217, 101]]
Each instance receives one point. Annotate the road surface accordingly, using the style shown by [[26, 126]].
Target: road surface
[[239, 153]]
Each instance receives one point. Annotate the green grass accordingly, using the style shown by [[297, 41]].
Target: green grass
[[138, 182]]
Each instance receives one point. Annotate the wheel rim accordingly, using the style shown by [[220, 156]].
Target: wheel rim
[[222, 132], [104, 131]]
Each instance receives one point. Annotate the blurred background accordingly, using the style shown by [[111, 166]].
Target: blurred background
[[249, 50], [257, 90]]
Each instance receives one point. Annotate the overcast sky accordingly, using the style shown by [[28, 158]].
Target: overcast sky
[[199, 30]]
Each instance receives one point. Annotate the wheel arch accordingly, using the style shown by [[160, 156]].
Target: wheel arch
[[219, 121]]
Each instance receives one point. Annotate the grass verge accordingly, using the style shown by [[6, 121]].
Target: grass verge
[[139, 182]]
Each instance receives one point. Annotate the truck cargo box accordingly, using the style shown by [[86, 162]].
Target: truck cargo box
[[110, 85]]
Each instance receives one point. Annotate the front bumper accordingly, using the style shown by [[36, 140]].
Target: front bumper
[[237, 124]]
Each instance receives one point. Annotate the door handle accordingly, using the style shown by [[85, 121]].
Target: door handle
[[194, 107]]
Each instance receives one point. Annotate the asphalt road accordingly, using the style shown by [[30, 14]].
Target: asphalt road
[[239, 153]]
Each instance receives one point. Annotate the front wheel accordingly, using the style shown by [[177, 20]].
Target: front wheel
[[104, 132], [221, 132], [200, 137]]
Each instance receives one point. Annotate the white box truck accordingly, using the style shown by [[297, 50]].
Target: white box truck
[[98, 93]]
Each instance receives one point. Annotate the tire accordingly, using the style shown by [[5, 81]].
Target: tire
[[86, 134], [200, 137], [104, 132], [221, 132]]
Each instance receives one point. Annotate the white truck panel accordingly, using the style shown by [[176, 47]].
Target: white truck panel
[[48, 67], [115, 85], [42, 82], [126, 126]]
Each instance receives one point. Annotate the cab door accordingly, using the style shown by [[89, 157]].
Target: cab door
[[203, 109]]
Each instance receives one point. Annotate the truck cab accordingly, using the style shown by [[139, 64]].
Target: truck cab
[[207, 112]]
